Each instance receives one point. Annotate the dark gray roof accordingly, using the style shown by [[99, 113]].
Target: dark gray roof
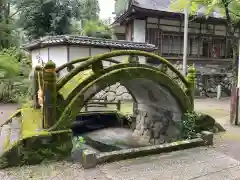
[[87, 41], [164, 5]]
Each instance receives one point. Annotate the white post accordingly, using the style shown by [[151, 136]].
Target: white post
[[185, 45], [238, 87], [238, 81], [219, 91]]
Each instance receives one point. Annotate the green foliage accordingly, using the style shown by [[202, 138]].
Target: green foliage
[[40, 18], [89, 9], [97, 29], [78, 142], [194, 123], [188, 126], [15, 67], [227, 8]]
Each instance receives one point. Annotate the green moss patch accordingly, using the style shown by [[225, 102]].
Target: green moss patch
[[74, 82], [37, 148], [32, 120], [101, 57]]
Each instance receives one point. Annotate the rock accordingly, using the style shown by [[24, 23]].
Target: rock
[[141, 131], [147, 133], [159, 141], [138, 126], [157, 129], [119, 138], [205, 123]]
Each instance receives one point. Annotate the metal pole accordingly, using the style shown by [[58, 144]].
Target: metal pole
[[185, 45]]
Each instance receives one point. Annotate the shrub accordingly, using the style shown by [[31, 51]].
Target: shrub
[[194, 123], [15, 67], [188, 126]]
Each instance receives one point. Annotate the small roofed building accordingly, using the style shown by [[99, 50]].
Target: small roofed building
[[154, 22], [64, 48]]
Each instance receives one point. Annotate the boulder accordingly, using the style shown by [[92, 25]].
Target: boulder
[[205, 123]]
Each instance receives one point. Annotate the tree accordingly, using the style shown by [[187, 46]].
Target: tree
[[229, 9], [53, 17], [89, 10], [7, 34], [97, 29]]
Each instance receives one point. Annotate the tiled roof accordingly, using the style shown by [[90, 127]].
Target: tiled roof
[[87, 41]]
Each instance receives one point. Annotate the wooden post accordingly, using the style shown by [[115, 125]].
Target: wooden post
[[191, 80], [36, 80], [118, 105], [50, 95]]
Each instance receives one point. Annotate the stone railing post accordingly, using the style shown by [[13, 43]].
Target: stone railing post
[[191, 80], [36, 80], [50, 95]]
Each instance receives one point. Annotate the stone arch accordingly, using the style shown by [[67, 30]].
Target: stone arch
[[149, 86]]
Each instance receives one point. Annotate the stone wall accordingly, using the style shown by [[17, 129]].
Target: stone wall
[[113, 93], [156, 129]]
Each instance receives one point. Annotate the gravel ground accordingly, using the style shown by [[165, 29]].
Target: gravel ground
[[227, 143]]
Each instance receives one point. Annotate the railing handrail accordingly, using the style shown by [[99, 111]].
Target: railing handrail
[[107, 55], [81, 60]]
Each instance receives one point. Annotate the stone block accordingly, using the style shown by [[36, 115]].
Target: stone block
[[207, 137], [89, 159], [147, 133]]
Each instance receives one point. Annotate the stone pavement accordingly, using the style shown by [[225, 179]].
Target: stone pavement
[[198, 163]]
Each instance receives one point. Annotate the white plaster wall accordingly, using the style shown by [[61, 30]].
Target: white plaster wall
[[76, 52], [142, 59], [139, 30], [96, 51], [119, 58], [39, 54], [58, 54]]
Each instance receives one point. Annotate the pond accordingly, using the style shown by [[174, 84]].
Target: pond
[[105, 132]]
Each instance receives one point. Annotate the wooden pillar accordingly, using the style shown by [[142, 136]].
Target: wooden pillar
[[50, 95], [36, 80], [199, 41]]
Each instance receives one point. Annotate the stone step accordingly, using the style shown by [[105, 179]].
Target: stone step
[[4, 137]]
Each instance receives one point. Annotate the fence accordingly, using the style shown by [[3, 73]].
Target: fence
[[99, 103]]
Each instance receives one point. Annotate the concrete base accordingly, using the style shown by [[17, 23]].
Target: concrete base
[[89, 159], [207, 137]]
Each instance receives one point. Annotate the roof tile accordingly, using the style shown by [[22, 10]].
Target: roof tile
[[82, 40]]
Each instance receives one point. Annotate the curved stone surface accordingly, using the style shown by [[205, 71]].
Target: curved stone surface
[[158, 111], [161, 101]]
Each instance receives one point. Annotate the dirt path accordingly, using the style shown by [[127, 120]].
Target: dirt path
[[6, 110]]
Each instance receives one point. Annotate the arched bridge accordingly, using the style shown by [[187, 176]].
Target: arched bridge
[[157, 90], [163, 95]]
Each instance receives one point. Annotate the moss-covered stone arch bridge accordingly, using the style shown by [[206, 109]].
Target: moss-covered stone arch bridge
[[162, 93], [155, 89]]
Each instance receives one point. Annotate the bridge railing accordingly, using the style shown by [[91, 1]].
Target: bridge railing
[[95, 63]]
